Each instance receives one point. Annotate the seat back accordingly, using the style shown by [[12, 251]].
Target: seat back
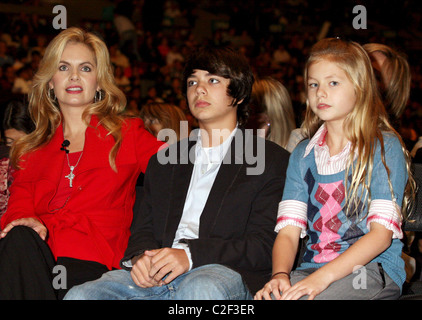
[[414, 220]]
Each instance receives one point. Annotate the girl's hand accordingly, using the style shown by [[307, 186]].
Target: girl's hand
[[312, 285], [32, 223], [278, 284]]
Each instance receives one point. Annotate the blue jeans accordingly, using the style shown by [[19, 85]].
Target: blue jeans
[[207, 282]]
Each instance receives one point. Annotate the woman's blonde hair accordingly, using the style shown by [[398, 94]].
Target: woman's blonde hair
[[44, 108], [269, 96], [364, 126], [396, 78]]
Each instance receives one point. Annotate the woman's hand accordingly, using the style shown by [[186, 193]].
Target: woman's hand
[[276, 286], [32, 223]]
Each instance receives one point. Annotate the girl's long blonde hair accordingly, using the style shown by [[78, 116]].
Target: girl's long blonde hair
[[364, 126], [44, 109]]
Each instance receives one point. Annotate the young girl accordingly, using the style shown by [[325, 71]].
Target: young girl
[[345, 185]]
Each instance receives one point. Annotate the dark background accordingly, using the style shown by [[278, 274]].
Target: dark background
[[257, 28]]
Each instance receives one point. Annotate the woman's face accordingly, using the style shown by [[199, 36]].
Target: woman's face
[[75, 81]]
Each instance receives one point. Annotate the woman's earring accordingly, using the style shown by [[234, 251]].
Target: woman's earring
[[98, 96]]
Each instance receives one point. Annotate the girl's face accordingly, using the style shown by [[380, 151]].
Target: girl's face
[[331, 94], [75, 80]]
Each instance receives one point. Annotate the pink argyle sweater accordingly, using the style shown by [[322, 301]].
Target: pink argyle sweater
[[321, 197]]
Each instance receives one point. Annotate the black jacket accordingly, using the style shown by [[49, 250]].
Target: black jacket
[[237, 223]]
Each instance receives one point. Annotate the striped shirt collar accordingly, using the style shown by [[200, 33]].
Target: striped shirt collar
[[327, 164], [319, 140]]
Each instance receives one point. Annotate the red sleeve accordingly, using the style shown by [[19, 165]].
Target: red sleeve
[[20, 203], [145, 143]]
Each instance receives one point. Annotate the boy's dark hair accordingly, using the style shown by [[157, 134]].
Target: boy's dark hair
[[229, 64]]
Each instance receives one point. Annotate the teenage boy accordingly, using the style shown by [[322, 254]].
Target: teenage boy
[[205, 227]]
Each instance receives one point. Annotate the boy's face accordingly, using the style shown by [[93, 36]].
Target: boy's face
[[208, 100]]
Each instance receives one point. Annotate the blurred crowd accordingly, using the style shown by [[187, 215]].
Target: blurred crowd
[[149, 41]]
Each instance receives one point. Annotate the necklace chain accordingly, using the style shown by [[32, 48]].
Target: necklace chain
[[71, 175]]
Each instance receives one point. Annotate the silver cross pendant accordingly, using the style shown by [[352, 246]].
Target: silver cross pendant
[[71, 176]]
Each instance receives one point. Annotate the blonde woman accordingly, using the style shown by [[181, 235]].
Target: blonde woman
[[160, 115], [393, 75], [274, 110], [72, 197], [344, 188]]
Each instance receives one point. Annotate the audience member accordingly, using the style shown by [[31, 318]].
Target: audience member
[[82, 148], [41, 43], [23, 81], [8, 78], [394, 82], [163, 48], [121, 80], [152, 95], [16, 124], [35, 61], [158, 116], [117, 57], [173, 55], [393, 78], [280, 56], [128, 38], [174, 93], [211, 236], [5, 58], [274, 111]]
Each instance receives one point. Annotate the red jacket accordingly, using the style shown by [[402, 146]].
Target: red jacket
[[94, 223]]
